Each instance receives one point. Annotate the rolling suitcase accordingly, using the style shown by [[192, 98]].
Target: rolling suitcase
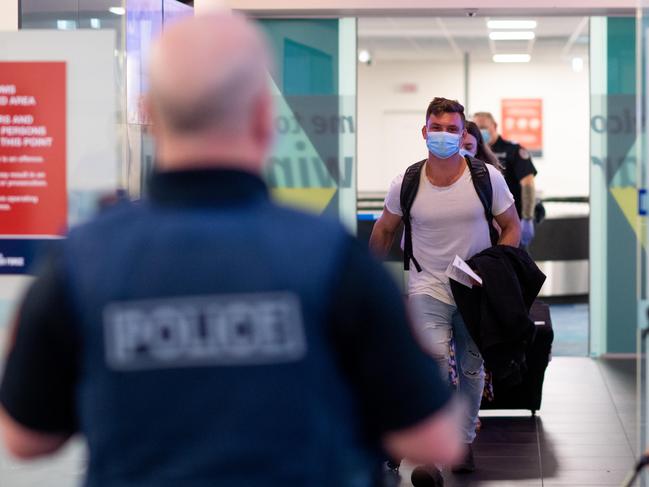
[[527, 395]]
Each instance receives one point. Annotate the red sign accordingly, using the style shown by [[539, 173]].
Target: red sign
[[33, 190], [522, 122]]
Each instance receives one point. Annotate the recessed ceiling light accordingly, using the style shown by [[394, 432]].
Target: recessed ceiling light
[[511, 24], [117, 10], [526, 35], [512, 58], [364, 56], [577, 64]]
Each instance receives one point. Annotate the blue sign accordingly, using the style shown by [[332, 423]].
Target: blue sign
[[642, 202], [18, 255]]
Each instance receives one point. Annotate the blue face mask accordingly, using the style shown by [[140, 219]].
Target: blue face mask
[[486, 135], [463, 152], [443, 144]]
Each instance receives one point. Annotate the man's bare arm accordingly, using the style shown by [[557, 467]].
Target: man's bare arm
[[383, 233], [528, 197], [510, 227]]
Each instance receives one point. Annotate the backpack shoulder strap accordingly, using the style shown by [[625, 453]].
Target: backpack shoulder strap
[[409, 188], [482, 184], [410, 185]]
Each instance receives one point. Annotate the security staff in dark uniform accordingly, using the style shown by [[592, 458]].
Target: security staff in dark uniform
[[207, 336], [519, 172]]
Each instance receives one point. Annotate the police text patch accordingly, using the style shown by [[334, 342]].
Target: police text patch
[[238, 329]]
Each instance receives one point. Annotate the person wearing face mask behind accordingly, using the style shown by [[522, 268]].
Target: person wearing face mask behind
[[446, 218], [519, 172], [473, 145]]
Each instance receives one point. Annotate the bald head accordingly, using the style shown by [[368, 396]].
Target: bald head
[[208, 83], [486, 121]]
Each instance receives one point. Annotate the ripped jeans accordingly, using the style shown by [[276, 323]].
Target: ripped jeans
[[435, 324]]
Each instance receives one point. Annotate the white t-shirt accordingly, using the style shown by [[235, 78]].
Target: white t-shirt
[[447, 221]]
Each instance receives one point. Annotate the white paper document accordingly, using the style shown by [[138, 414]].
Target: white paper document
[[459, 271]]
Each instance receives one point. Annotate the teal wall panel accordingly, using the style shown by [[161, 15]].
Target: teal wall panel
[[620, 173]]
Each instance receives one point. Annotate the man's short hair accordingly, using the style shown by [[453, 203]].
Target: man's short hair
[[443, 105], [485, 115]]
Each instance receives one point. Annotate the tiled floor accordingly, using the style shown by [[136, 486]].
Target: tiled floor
[[584, 435]]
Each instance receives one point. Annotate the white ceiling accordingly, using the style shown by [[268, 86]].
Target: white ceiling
[[447, 39]]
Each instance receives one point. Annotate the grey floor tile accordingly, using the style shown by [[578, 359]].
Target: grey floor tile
[[561, 450], [500, 436], [454, 481], [509, 425], [586, 439], [553, 484], [560, 417], [508, 450], [530, 464], [609, 426], [586, 463], [587, 477]]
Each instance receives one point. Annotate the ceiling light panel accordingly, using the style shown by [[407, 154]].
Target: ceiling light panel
[[511, 24]]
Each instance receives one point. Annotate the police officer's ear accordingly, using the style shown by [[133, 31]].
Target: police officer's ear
[[424, 132]]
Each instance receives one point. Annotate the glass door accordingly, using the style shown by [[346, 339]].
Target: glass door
[[642, 109], [313, 164]]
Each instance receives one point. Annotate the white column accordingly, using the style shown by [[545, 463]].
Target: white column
[[9, 15], [598, 189]]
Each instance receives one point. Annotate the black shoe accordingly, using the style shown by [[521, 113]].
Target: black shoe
[[468, 463], [427, 476]]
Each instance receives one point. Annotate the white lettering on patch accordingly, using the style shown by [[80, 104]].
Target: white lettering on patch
[[235, 330]]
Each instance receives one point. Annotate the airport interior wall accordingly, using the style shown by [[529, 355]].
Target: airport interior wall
[[8, 15], [389, 120]]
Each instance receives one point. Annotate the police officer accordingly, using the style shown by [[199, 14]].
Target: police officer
[[519, 172], [207, 336]]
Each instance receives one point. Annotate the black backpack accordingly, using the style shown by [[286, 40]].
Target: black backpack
[[410, 186]]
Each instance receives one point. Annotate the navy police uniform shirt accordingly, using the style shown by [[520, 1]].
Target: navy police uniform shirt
[[517, 163], [206, 336]]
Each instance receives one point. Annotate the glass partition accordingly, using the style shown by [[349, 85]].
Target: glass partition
[[642, 174], [136, 23], [145, 19], [313, 164], [615, 242]]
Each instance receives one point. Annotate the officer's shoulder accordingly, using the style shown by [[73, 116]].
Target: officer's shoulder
[[304, 219], [523, 153], [518, 150], [509, 143], [515, 146], [300, 229]]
